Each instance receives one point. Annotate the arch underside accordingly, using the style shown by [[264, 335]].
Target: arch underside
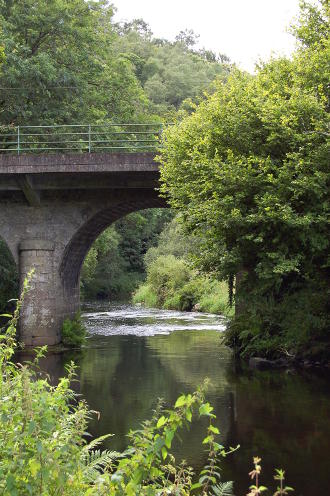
[[83, 239]]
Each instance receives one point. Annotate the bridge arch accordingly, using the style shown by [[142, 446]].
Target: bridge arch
[[79, 245]]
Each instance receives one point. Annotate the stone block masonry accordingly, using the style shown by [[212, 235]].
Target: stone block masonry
[[51, 225]]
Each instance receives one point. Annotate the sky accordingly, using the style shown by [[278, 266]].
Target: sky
[[245, 30]]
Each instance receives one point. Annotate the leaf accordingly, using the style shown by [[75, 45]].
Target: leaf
[[180, 401], [207, 439], [161, 421], [213, 429], [34, 466], [169, 434], [197, 485], [188, 415], [205, 409], [223, 489], [164, 452]]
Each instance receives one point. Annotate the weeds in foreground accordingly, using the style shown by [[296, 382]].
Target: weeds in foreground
[[257, 489]]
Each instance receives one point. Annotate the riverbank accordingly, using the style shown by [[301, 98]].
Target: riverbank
[[172, 285]]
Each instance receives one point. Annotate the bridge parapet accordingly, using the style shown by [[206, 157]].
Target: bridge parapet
[[87, 138]]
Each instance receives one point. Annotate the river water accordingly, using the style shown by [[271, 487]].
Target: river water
[[136, 355]]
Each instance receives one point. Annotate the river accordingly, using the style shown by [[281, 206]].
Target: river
[[135, 355]]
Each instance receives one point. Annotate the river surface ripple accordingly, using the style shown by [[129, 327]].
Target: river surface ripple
[[136, 355]]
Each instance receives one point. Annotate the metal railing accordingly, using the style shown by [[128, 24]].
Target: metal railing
[[76, 138]]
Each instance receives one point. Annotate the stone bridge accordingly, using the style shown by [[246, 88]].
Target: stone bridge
[[52, 208]]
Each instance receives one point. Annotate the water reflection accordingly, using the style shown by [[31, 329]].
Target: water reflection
[[135, 356]]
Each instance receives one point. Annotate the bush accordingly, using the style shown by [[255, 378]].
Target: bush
[[144, 294], [73, 331], [215, 298], [173, 285]]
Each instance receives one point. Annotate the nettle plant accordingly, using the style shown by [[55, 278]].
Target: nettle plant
[[44, 449]]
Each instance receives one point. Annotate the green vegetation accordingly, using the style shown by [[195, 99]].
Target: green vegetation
[[114, 265], [103, 72], [74, 331], [8, 277], [44, 451], [61, 66], [171, 282], [169, 72], [249, 173]]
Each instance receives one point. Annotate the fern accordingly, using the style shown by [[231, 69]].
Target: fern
[[223, 489], [96, 462], [95, 443]]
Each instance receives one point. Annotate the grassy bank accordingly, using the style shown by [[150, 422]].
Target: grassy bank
[[171, 284]]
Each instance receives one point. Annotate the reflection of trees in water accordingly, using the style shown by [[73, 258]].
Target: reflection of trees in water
[[124, 379], [186, 355], [123, 382], [283, 417]]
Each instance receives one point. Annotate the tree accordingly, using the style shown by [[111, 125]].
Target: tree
[[169, 72], [60, 65], [249, 173], [114, 265]]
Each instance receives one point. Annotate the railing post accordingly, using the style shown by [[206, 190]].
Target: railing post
[[89, 139], [18, 140]]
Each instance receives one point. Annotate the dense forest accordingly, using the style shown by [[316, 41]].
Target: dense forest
[[245, 171]]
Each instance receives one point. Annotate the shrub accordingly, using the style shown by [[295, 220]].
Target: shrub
[[215, 298], [144, 294], [173, 285], [74, 331]]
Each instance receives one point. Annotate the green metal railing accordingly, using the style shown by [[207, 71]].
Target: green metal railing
[[77, 138]]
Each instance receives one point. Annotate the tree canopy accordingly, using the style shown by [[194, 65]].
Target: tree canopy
[[60, 65]]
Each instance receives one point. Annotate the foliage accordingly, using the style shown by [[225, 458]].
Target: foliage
[[78, 80], [8, 277], [169, 72], [114, 266], [172, 283], [74, 331], [104, 268], [44, 450], [256, 488], [248, 170]]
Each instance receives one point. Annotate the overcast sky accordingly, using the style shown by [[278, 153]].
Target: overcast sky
[[245, 30]]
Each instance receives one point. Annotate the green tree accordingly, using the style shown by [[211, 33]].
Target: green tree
[[249, 172], [169, 72], [114, 265], [60, 66], [103, 272]]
